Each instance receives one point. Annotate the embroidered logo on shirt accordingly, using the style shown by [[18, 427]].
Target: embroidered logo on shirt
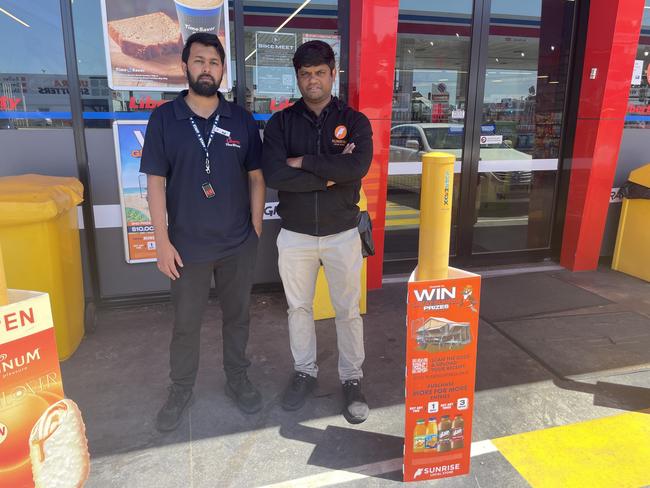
[[340, 132], [230, 142]]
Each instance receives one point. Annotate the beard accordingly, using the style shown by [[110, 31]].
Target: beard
[[204, 85]]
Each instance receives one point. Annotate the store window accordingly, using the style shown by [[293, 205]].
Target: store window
[[273, 31], [138, 81], [522, 116], [509, 177], [638, 108], [429, 103], [33, 81]]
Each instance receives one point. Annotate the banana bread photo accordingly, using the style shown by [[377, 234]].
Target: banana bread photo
[[147, 36]]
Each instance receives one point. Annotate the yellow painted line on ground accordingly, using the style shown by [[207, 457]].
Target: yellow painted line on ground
[[401, 212], [402, 222], [607, 452], [393, 213]]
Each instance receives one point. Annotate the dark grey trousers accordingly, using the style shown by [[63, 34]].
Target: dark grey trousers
[[233, 277]]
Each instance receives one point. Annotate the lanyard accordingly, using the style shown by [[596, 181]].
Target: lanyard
[[215, 128]]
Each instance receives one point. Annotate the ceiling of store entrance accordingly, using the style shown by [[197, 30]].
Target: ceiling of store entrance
[[450, 52]]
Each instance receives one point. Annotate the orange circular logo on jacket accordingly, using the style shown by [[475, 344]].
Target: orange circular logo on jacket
[[340, 132]]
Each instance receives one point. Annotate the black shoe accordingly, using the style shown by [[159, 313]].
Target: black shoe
[[246, 396], [296, 393], [170, 415], [355, 407]]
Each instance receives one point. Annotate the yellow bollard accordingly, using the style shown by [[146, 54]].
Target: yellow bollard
[[4, 298], [442, 318], [435, 215]]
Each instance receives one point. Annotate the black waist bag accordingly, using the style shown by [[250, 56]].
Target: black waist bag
[[365, 231]]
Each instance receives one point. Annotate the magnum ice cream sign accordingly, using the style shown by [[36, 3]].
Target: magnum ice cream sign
[[42, 437]]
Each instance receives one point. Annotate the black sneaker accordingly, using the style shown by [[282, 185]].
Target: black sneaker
[[355, 407], [170, 415], [296, 393], [247, 398]]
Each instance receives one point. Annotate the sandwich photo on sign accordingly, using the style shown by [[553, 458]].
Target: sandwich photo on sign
[[143, 41]]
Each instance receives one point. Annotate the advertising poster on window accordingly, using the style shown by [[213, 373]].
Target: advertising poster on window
[[335, 43], [139, 243], [274, 73], [442, 332], [144, 40]]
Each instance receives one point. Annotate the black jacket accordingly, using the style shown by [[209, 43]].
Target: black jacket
[[307, 205]]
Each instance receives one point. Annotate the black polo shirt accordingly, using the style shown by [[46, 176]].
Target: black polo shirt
[[204, 229]]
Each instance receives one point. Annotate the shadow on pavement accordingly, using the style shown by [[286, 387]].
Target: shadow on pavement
[[611, 395], [119, 374], [340, 448]]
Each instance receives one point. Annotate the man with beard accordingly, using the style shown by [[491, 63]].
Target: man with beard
[[206, 197]]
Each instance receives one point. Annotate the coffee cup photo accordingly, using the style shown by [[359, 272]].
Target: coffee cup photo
[[199, 16]]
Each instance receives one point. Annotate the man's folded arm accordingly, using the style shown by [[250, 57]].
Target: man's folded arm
[[345, 168], [277, 174]]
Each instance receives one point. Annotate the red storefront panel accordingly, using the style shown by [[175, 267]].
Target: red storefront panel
[[612, 38]]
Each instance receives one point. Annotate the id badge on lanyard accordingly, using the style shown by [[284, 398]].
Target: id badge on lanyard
[[206, 187]]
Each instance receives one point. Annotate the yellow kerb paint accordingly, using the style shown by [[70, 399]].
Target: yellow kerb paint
[[607, 452]]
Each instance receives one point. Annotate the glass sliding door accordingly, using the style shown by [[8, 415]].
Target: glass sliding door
[[429, 101], [485, 80], [521, 122]]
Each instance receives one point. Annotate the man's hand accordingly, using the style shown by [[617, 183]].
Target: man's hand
[[346, 150], [295, 162], [168, 258], [258, 228]]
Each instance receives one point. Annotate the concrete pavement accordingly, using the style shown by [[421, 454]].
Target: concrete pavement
[[555, 349]]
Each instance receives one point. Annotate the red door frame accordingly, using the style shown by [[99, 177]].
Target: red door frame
[[612, 39], [373, 44]]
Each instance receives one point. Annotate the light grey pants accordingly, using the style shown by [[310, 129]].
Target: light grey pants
[[299, 260]]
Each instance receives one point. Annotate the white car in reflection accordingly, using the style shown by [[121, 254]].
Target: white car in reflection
[[408, 142]]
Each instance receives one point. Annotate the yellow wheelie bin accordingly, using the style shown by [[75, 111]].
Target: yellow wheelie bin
[[322, 305], [632, 252], [39, 237]]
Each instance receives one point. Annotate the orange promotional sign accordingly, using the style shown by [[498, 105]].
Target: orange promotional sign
[[30, 386], [442, 330]]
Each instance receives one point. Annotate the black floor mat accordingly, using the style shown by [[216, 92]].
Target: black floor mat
[[581, 344], [525, 295]]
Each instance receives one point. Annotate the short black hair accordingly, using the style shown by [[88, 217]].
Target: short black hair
[[314, 53], [207, 40]]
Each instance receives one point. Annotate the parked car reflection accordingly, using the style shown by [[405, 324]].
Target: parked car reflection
[[498, 188]]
